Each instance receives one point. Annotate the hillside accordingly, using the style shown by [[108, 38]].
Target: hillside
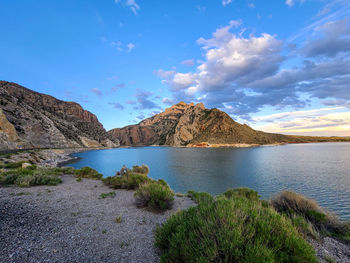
[[191, 125], [29, 119]]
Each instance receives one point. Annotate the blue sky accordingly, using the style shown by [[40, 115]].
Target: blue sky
[[280, 66]]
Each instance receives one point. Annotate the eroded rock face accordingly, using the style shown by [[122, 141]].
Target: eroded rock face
[[184, 124], [42, 121], [8, 135]]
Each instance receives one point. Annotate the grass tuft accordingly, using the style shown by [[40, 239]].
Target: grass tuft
[[295, 205], [243, 192], [105, 195], [87, 172], [200, 197], [144, 169], [155, 195], [128, 181]]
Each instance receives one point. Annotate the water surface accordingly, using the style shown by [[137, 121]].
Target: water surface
[[319, 170]]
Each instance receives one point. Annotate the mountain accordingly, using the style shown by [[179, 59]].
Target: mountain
[[29, 119], [194, 125]]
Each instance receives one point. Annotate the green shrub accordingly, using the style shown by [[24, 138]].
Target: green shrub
[[88, 172], [25, 177], [105, 195], [8, 178], [304, 226], [128, 181], [244, 192], [67, 170], [13, 165], [37, 179], [231, 230], [32, 167], [199, 197], [140, 169], [155, 195]]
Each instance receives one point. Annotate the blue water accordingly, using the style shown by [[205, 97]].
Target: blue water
[[320, 171]]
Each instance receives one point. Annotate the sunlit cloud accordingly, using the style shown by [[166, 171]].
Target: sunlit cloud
[[313, 122]]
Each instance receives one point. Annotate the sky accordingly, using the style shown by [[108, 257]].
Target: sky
[[279, 66]]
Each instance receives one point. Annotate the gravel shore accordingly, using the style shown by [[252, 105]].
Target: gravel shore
[[71, 223]]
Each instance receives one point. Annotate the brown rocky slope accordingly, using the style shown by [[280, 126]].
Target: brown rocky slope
[[29, 119], [190, 125]]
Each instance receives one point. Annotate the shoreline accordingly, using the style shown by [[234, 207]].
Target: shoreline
[[60, 157]]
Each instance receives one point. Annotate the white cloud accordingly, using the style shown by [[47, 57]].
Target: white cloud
[[200, 9], [226, 2], [188, 62], [338, 10], [134, 7], [184, 79], [121, 47], [242, 73], [230, 60], [289, 3], [251, 5], [130, 47]]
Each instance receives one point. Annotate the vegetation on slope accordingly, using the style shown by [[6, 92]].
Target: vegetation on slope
[[234, 227], [32, 175]]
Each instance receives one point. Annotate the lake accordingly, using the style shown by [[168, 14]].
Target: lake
[[318, 170]]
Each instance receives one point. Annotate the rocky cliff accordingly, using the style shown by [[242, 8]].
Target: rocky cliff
[[189, 124], [30, 119]]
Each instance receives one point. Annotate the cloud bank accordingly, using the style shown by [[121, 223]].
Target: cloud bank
[[241, 74]]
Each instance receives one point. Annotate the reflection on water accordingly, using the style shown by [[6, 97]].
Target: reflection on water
[[320, 171]]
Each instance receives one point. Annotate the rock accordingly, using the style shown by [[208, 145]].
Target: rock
[[8, 135], [25, 165], [29, 119]]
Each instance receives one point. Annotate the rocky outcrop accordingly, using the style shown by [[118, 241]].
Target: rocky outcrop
[[42, 121], [8, 135], [190, 124]]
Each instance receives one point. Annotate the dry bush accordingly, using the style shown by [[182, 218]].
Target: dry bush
[[293, 204]]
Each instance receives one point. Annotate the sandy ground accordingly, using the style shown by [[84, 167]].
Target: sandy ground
[[70, 223]]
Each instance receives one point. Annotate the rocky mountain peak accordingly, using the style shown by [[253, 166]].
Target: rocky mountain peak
[[189, 124]]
